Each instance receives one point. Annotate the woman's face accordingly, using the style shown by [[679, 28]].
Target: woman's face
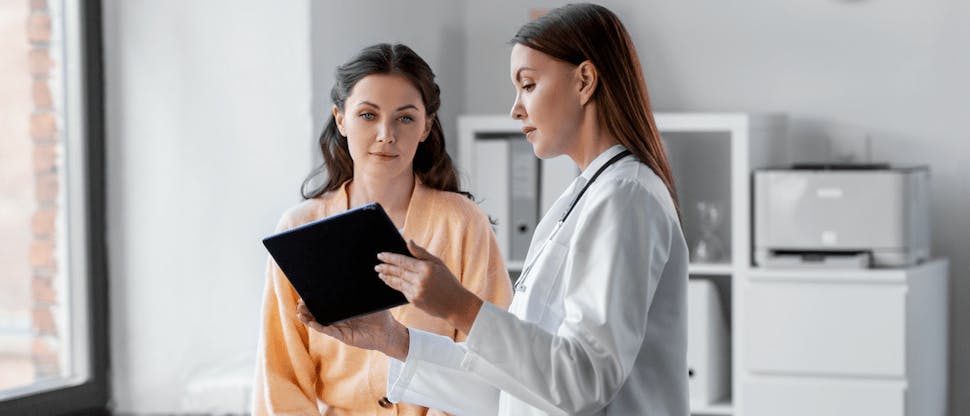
[[383, 120], [547, 101]]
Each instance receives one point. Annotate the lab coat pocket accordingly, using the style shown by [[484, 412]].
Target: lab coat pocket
[[543, 292]]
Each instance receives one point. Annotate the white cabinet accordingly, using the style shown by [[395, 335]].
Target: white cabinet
[[813, 328], [829, 397], [843, 342]]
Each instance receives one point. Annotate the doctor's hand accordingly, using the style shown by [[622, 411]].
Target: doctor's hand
[[430, 286], [376, 331]]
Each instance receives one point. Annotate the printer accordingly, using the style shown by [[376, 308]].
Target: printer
[[855, 216]]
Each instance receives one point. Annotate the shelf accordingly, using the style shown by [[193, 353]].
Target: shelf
[[897, 275], [705, 195], [709, 269], [722, 269], [716, 409]]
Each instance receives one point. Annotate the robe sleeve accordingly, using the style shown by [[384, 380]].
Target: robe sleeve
[[285, 372], [483, 271]]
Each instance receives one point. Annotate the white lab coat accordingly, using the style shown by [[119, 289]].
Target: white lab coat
[[600, 327]]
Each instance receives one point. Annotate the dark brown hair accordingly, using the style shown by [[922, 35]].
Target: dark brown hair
[[431, 161], [587, 32]]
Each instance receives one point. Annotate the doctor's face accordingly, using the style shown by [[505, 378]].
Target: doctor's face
[[547, 101], [383, 120]]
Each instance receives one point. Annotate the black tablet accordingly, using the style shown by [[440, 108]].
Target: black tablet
[[330, 262]]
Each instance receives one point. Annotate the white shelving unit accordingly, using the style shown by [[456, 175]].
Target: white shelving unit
[[711, 155], [716, 409], [484, 166], [711, 269]]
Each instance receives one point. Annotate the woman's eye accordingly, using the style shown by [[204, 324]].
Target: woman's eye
[[528, 87], [367, 116], [406, 119]]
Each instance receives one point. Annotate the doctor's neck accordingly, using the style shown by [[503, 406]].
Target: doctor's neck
[[592, 140]]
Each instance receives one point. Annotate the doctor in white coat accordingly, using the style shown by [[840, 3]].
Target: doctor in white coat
[[597, 325]]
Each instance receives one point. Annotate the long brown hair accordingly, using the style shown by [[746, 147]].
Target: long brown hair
[[431, 161], [587, 32]]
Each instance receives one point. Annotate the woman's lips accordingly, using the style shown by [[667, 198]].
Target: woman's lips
[[385, 156], [528, 131]]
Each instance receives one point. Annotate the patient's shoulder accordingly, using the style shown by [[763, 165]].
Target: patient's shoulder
[[306, 211], [456, 208]]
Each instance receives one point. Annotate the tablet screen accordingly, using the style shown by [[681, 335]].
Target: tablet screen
[[330, 262]]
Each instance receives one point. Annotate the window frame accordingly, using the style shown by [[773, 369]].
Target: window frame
[[92, 395]]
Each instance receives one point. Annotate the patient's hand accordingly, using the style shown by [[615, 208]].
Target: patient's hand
[[376, 331]]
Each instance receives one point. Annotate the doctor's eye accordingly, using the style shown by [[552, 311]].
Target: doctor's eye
[[367, 116]]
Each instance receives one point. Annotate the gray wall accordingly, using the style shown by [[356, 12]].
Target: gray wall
[[207, 107], [893, 70]]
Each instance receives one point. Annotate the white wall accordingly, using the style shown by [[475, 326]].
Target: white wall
[[207, 116], [896, 70]]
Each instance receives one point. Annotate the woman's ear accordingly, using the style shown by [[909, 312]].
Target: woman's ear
[[588, 81], [339, 118], [427, 127]]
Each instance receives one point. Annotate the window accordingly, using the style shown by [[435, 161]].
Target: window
[[53, 314]]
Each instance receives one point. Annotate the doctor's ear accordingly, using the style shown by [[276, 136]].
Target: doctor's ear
[[339, 119], [588, 81]]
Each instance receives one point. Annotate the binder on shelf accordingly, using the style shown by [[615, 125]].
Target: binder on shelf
[[491, 162], [524, 197], [707, 345]]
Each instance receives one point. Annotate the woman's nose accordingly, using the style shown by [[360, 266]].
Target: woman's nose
[[518, 112], [385, 134]]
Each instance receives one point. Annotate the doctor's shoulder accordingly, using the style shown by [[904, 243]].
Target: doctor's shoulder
[[642, 184]]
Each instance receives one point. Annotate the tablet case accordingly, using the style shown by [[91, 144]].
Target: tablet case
[[330, 262]]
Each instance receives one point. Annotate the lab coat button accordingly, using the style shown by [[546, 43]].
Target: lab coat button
[[385, 403]]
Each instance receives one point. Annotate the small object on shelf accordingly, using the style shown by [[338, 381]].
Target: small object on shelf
[[708, 248]]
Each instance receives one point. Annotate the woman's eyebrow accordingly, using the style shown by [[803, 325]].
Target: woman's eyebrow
[[518, 73], [404, 107]]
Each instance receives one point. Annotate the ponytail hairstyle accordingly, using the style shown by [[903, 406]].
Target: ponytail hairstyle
[[431, 164], [587, 32]]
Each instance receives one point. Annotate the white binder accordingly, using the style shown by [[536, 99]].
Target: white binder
[[708, 353]]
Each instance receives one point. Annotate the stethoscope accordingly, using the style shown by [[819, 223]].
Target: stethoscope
[[520, 285]]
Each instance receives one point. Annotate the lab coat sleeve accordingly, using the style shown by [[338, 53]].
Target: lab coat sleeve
[[434, 360], [285, 371], [432, 377], [617, 254]]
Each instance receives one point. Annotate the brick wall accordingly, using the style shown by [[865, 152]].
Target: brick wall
[[46, 146]]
